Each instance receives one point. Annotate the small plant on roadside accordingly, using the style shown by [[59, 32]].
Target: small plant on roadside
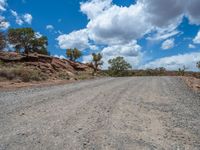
[[198, 65], [181, 71], [96, 59]]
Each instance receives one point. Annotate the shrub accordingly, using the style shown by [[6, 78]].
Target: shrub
[[198, 65], [73, 54], [22, 74], [63, 75], [181, 71], [96, 59]]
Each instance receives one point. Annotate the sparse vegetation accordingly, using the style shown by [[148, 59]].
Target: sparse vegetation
[[2, 41], [25, 40], [96, 60], [181, 71], [118, 67], [63, 76], [198, 65], [73, 54], [22, 74]]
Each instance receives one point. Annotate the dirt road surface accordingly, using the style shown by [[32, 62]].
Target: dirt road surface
[[137, 113]]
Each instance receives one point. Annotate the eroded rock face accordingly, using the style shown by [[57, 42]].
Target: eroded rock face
[[48, 65]]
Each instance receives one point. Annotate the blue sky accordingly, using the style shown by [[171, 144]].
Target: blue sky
[[148, 34]]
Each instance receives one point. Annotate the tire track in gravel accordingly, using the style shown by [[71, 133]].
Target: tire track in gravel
[[144, 113]]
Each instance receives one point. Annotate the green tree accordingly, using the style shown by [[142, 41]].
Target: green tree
[[40, 45], [96, 59], [118, 67], [25, 40], [2, 41], [198, 64], [69, 54], [77, 54], [73, 54]]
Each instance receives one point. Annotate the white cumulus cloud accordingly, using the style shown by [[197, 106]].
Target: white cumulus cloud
[[196, 40], [168, 44], [3, 4], [115, 27], [76, 39], [21, 19], [188, 60], [191, 46], [50, 27], [3, 23], [28, 18], [131, 52]]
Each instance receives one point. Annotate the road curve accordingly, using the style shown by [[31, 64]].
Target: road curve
[[136, 113]]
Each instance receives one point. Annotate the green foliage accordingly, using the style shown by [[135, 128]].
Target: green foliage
[[96, 59], [119, 67], [2, 41], [181, 71], [73, 54], [25, 40], [1, 63], [40, 45], [198, 64]]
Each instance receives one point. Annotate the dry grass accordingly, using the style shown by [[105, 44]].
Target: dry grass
[[21, 73]]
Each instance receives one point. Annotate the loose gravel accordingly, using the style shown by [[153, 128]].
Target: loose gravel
[[140, 113]]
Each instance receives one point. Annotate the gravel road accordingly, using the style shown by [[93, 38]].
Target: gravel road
[[137, 113]]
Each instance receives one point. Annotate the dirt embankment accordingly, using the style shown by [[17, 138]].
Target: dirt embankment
[[142, 113], [17, 70], [193, 83]]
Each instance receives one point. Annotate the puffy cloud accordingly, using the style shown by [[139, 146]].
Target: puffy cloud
[[168, 44], [50, 27], [131, 52], [87, 59], [188, 60], [18, 20], [111, 24], [196, 40], [3, 4], [191, 46], [14, 13], [193, 11], [3, 23], [131, 49], [163, 34], [21, 19], [38, 35], [60, 56], [115, 27], [76, 39], [28, 18], [95, 7], [124, 25], [163, 13]]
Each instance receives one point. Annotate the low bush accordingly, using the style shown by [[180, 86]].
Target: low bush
[[63, 76], [22, 74]]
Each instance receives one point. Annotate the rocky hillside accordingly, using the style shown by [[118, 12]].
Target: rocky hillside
[[14, 66]]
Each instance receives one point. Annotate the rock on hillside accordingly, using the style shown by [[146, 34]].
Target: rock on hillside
[[46, 64]]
